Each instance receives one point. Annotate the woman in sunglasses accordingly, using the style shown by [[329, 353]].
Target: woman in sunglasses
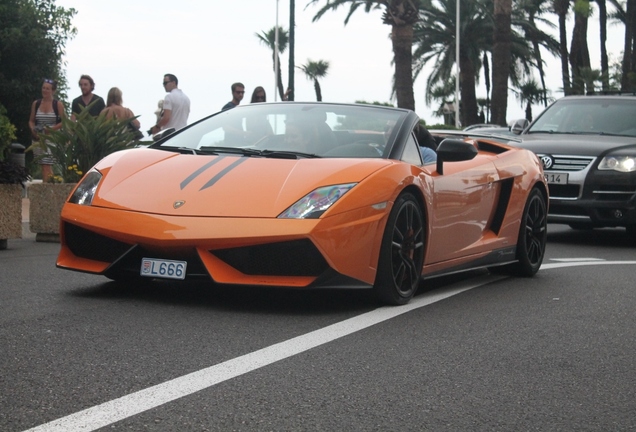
[[46, 115], [257, 127], [258, 95]]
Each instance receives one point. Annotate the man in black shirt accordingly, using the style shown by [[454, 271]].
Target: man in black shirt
[[87, 85]]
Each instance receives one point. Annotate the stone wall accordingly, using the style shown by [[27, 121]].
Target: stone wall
[[10, 211], [47, 200]]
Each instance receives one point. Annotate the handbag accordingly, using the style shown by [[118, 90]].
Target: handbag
[[137, 134]]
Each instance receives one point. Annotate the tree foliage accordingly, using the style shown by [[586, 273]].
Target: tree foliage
[[401, 15], [313, 71], [33, 34], [268, 38], [7, 133]]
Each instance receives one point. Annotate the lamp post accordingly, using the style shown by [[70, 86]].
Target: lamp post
[[276, 65], [457, 24]]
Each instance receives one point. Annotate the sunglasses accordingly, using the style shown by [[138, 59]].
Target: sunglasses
[[259, 98], [166, 82], [49, 81]]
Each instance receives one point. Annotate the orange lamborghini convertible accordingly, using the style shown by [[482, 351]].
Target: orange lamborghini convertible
[[307, 195]]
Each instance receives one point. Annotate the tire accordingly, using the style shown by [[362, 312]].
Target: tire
[[401, 253], [533, 236]]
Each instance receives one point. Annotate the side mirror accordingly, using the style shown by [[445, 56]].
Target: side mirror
[[518, 126], [162, 134], [454, 150]]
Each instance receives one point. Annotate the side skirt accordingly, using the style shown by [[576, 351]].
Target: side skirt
[[495, 258]]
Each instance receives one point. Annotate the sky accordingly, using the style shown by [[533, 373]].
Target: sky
[[211, 44]]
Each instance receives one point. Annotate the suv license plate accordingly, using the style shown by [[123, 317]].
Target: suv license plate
[[166, 269], [552, 178]]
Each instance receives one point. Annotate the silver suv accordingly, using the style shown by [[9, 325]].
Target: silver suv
[[587, 145]]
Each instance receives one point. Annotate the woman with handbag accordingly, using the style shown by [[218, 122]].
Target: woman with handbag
[[115, 109]]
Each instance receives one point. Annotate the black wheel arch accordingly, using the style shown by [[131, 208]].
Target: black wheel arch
[[417, 193]]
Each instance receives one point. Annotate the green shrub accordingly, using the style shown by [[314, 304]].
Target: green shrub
[[80, 144], [11, 173], [7, 133]]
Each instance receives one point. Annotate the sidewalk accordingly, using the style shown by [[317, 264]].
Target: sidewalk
[[25, 210], [26, 232]]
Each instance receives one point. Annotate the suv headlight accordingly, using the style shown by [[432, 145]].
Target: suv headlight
[[618, 163], [85, 191], [315, 203]]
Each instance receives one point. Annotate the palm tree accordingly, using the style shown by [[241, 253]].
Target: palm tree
[[579, 52], [588, 79], [292, 43], [401, 15], [269, 39], [629, 53], [533, 11], [435, 40], [561, 8], [486, 106], [626, 13], [501, 51], [529, 93], [444, 94], [602, 18], [313, 71]]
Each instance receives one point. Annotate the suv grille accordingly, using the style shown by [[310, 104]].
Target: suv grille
[[570, 163], [563, 191]]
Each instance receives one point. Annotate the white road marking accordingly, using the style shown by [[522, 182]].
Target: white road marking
[[581, 263], [110, 412], [576, 259]]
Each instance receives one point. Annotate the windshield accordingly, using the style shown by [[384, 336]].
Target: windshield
[[589, 115], [297, 129]]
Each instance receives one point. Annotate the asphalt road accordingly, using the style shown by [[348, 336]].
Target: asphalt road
[[474, 353]]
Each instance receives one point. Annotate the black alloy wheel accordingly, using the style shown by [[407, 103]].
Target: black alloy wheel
[[533, 235], [401, 253]]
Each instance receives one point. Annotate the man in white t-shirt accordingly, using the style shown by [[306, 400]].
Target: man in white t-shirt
[[176, 106]]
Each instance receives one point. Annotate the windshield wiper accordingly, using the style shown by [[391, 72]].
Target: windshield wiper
[[234, 150], [182, 150], [279, 154], [596, 133], [287, 154], [550, 131]]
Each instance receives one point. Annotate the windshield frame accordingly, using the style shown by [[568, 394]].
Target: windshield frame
[[320, 128]]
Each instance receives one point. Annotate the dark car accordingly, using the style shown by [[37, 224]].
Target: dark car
[[587, 145]]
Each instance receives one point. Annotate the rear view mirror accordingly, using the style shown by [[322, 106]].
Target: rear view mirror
[[454, 150], [518, 126]]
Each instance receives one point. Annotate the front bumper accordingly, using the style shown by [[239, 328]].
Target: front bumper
[[593, 212], [336, 251], [601, 199]]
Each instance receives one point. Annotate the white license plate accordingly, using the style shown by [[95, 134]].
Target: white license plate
[[556, 178], [159, 268]]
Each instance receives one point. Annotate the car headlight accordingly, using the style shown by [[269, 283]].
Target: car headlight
[[85, 191], [315, 203], [618, 163]]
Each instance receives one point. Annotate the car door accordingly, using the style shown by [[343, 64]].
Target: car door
[[463, 203]]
